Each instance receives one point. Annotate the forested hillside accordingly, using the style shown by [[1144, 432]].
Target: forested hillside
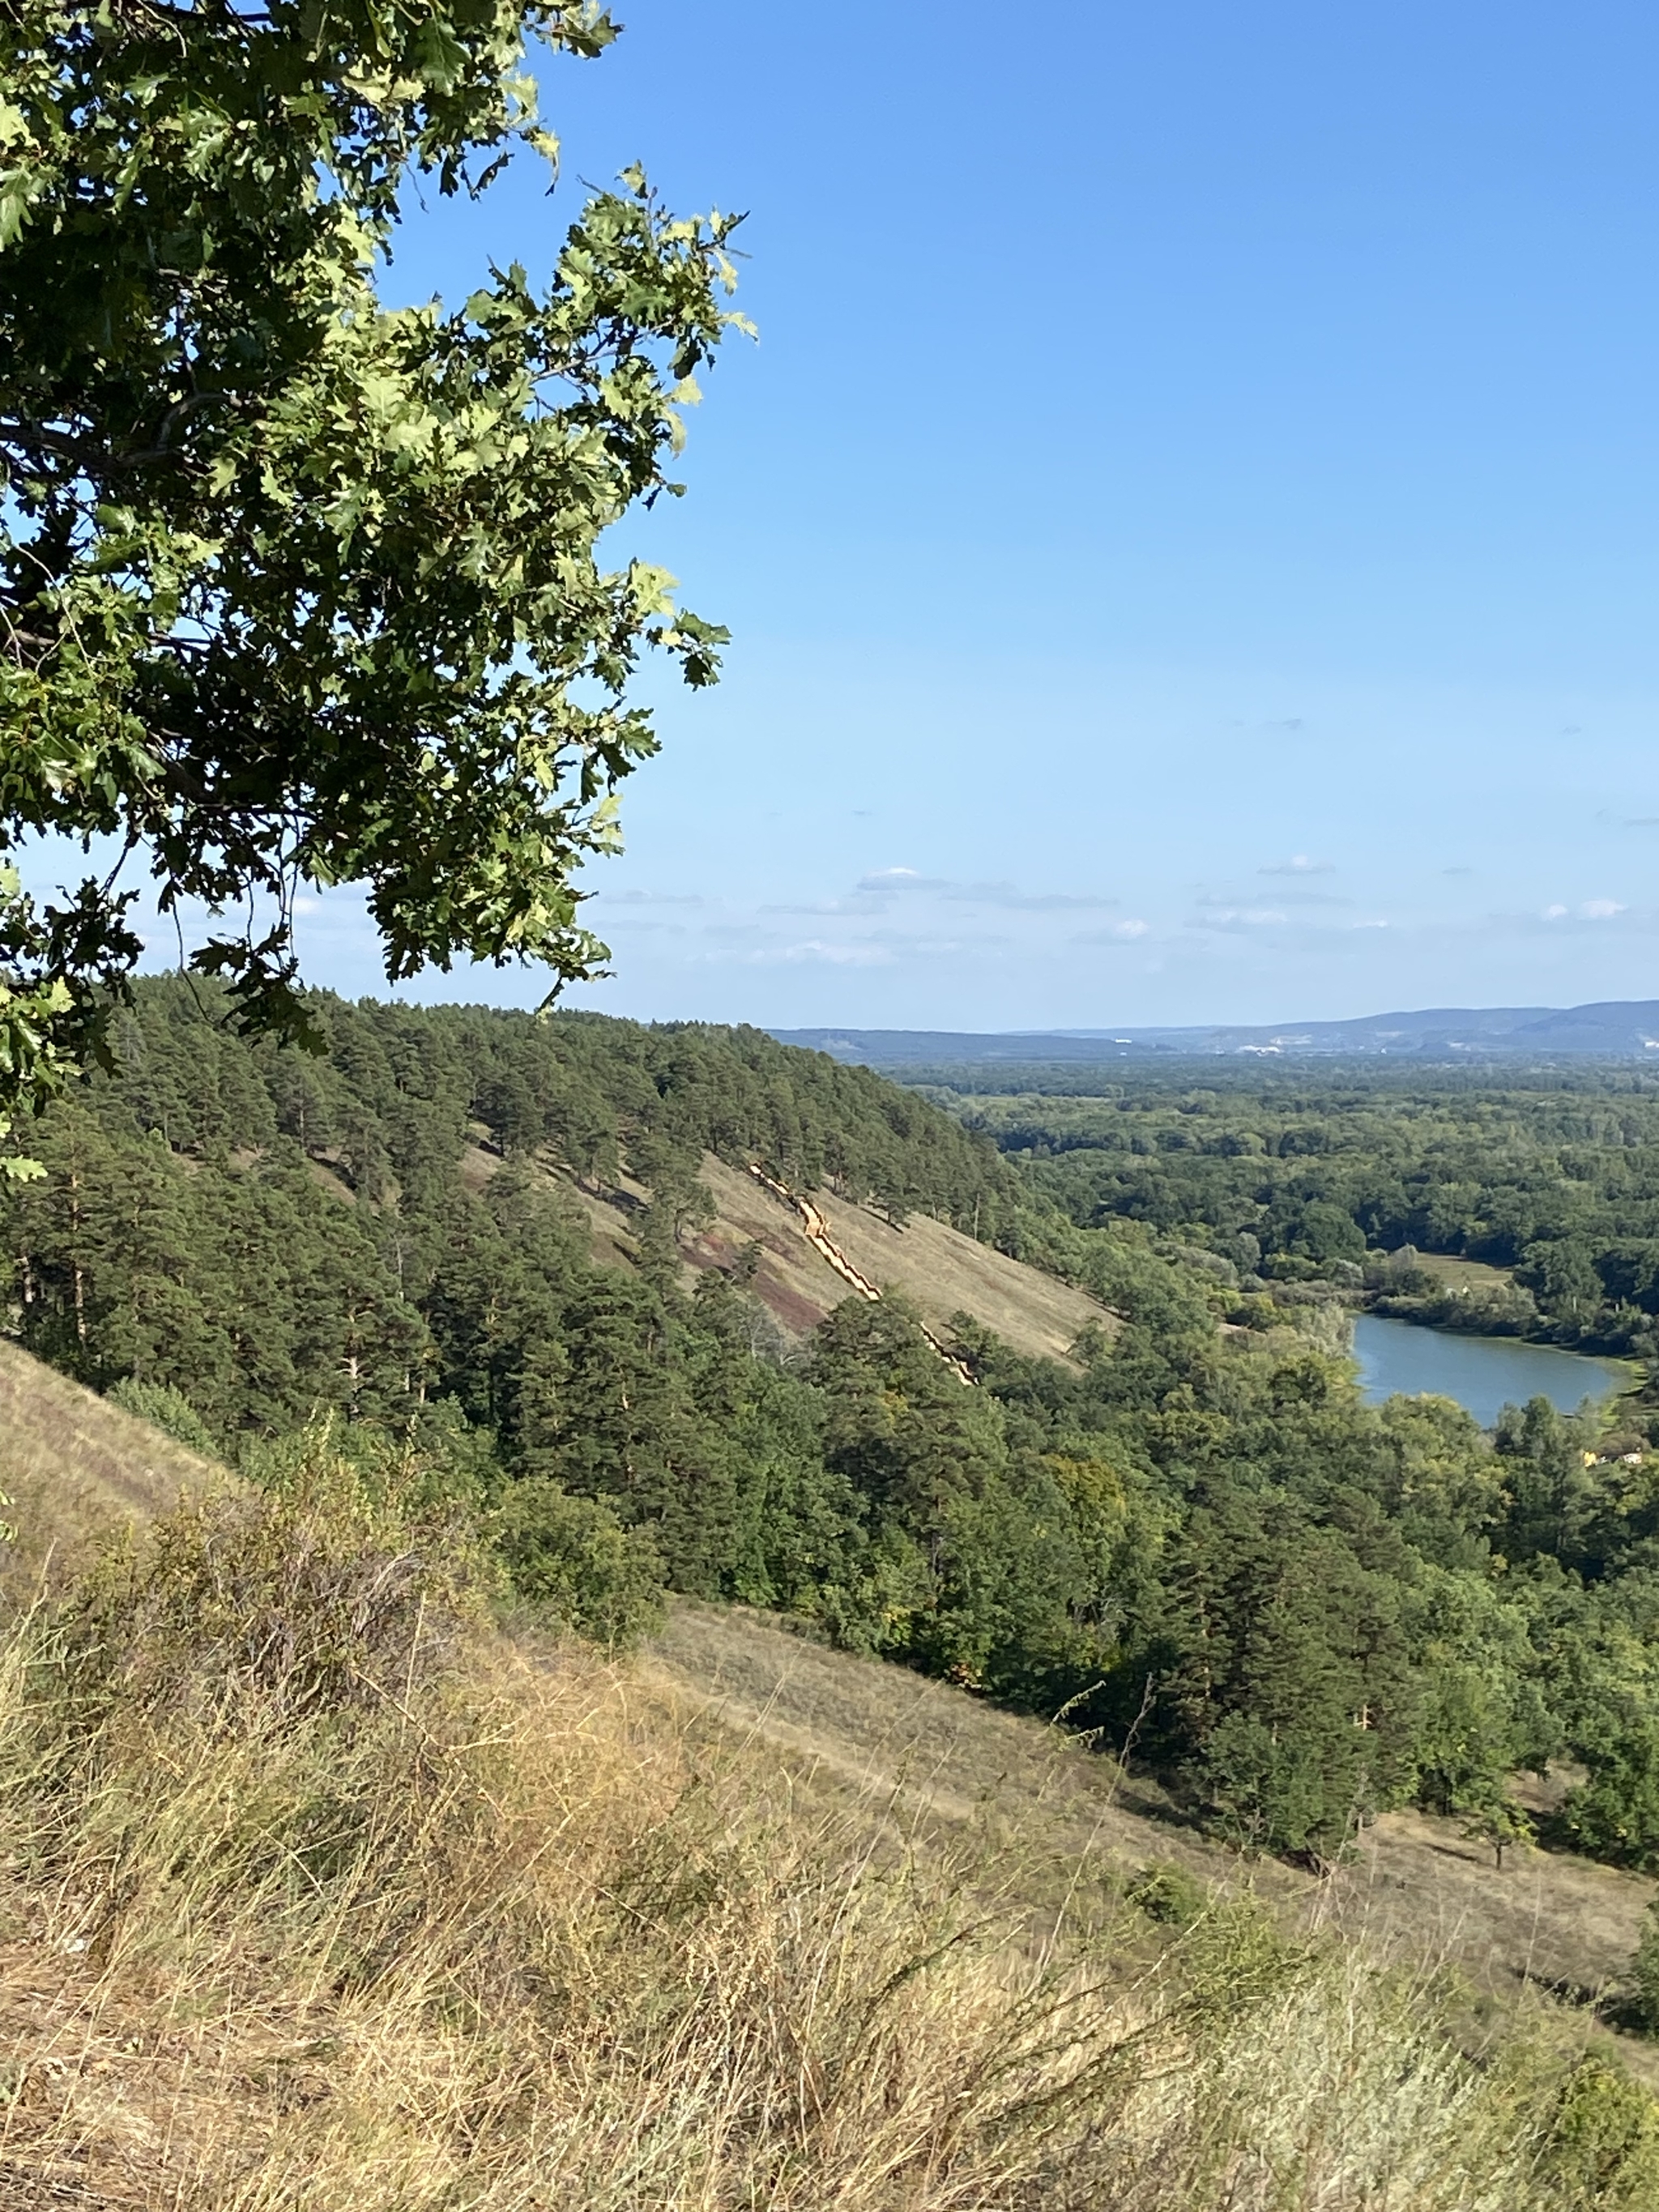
[[1303, 1608]]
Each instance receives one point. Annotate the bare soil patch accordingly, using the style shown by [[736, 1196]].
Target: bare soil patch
[[938, 1269], [944, 1272]]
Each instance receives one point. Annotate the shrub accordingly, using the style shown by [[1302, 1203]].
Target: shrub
[[572, 1557], [1641, 2007], [1167, 1895], [1604, 2144], [326, 1591], [1614, 1815], [508, 1934], [167, 1409]]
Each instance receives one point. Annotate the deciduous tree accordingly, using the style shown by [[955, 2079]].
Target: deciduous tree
[[299, 587]]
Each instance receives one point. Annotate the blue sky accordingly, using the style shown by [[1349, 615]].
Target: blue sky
[[1189, 525]]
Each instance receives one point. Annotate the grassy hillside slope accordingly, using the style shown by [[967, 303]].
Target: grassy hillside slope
[[940, 1270], [413, 1918], [930, 1753], [71, 1461], [938, 1768], [945, 1765]]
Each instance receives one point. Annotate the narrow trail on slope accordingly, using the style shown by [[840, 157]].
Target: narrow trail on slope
[[817, 1233]]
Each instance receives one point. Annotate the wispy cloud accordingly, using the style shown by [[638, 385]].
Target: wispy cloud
[[1299, 864], [901, 879], [1011, 895], [882, 881], [1287, 895], [864, 904], [860, 954], [1116, 932], [1243, 917], [1595, 910]]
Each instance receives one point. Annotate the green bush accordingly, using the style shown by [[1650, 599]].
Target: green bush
[[572, 1557], [1167, 1895], [1641, 2007], [167, 1409], [1614, 1816], [1604, 2145], [326, 1592]]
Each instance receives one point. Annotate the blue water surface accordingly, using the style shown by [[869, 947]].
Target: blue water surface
[[1481, 1372]]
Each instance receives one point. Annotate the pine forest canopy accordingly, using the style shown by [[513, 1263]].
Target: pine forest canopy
[[298, 588]]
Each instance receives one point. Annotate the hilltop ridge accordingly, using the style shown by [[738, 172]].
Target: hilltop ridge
[[1612, 1029]]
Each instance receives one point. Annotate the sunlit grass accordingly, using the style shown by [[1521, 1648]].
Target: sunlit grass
[[429, 1919]]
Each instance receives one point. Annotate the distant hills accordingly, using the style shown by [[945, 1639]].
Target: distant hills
[[1613, 1028]]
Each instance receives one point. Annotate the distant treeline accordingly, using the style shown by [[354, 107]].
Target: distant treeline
[[1554, 1178], [1303, 1608]]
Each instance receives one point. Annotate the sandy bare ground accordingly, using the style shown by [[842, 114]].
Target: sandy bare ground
[[944, 1272], [940, 1271]]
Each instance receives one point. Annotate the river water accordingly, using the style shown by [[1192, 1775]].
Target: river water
[[1481, 1372]]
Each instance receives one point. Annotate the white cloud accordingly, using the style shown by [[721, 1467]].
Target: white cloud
[[1116, 933], [1299, 864], [882, 881], [1244, 917], [820, 949], [1553, 913], [901, 879], [1600, 909]]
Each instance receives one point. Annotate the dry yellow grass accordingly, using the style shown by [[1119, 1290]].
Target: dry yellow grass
[[944, 1272], [409, 1919], [952, 1770], [73, 1462], [316, 1892], [938, 1269]]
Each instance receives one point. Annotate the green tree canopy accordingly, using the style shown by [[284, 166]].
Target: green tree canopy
[[299, 587]]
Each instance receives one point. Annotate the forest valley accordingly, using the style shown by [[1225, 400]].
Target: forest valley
[[1551, 1178], [1191, 1534]]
